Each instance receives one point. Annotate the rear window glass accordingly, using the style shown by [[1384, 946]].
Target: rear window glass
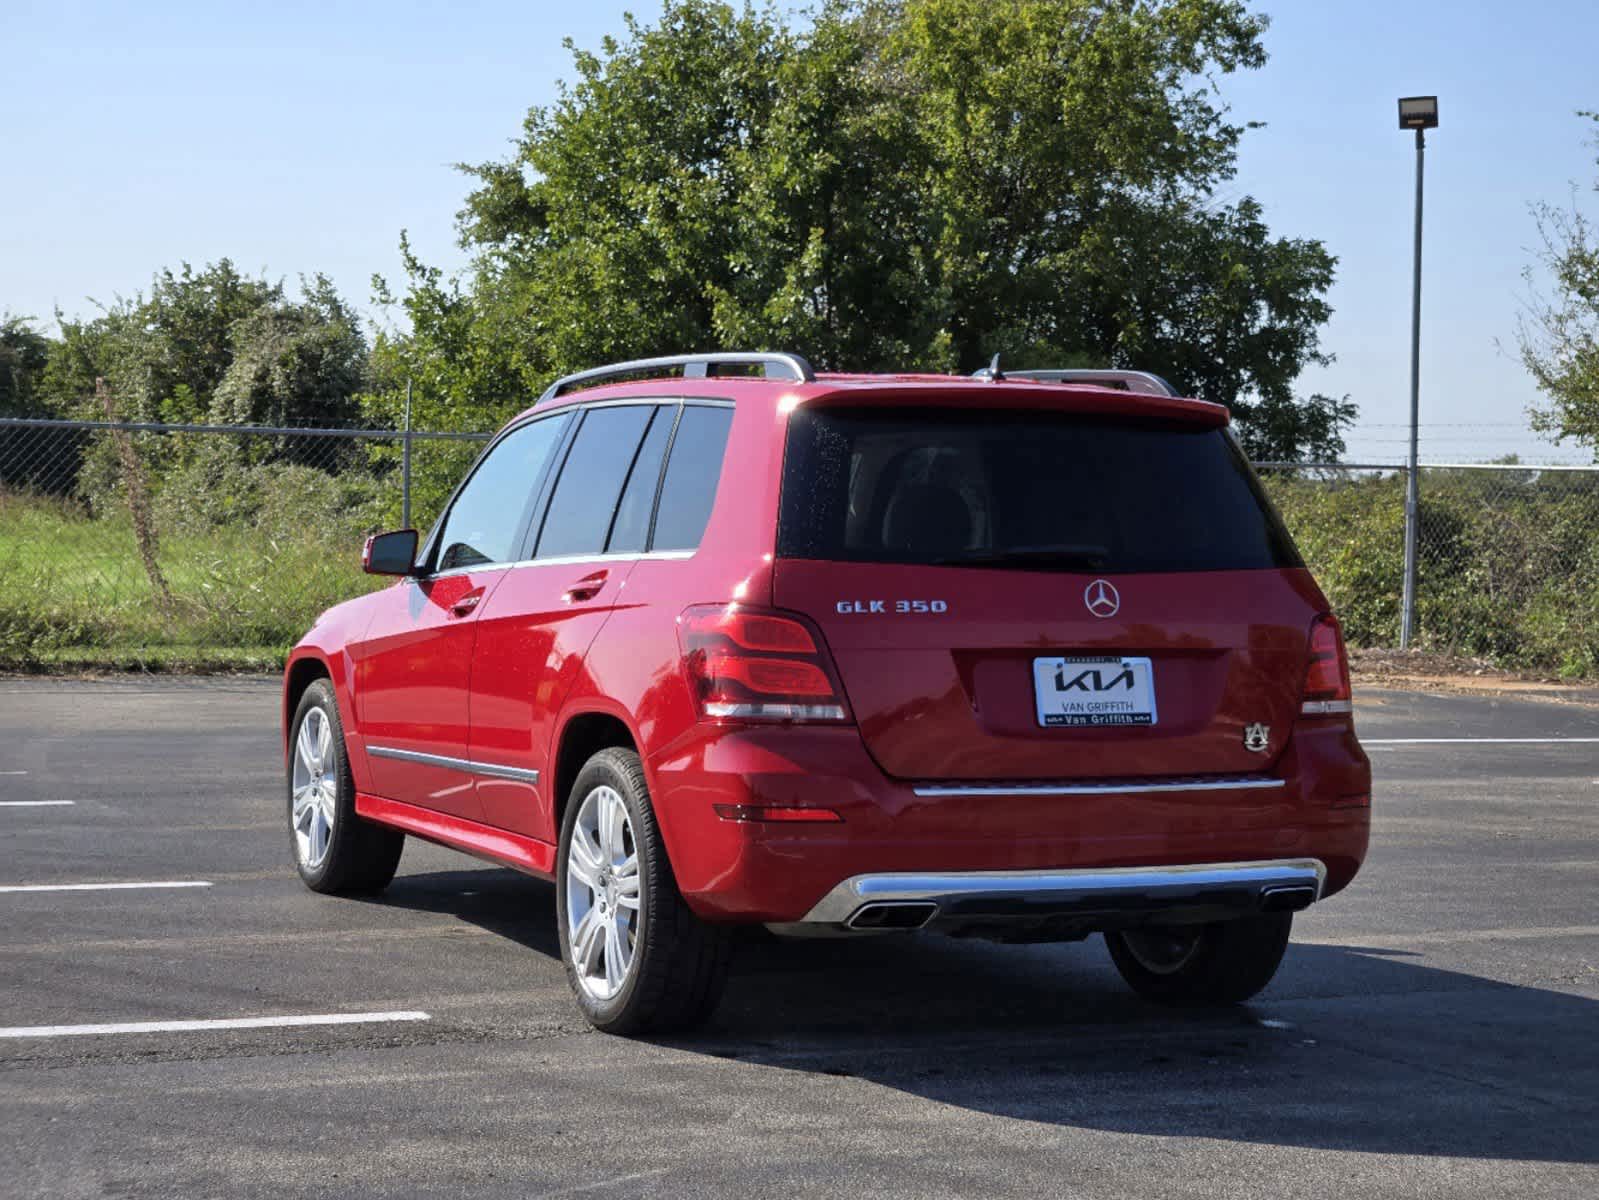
[[1032, 490]]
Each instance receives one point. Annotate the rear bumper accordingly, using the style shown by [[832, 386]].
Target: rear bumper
[[1074, 851], [1092, 898]]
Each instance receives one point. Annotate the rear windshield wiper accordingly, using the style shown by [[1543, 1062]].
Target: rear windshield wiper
[[1091, 558]]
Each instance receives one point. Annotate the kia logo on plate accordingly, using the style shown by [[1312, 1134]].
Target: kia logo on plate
[[1102, 598]]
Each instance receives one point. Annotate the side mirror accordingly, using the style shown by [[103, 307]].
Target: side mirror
[[390, 553]]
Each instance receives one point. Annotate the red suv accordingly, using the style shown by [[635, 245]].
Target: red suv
[[717, 640]]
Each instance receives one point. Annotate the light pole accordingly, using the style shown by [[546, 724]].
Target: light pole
[[1421, 114]]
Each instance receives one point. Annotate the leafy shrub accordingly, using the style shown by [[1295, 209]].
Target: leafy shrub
[[1507, 564]]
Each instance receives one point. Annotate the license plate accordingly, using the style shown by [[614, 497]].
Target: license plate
[[1094, 691]]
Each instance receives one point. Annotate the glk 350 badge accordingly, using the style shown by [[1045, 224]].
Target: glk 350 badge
[[849, 608]]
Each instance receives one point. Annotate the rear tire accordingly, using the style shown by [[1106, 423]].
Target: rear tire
[[644, 962], [334, 850], [1204, 965]]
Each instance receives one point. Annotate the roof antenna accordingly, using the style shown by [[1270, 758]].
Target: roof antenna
[[995, 375]]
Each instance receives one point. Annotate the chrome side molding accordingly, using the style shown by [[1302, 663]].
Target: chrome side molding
[[491, 770]]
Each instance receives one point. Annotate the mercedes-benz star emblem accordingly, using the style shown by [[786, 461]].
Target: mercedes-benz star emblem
[[1102, 598]]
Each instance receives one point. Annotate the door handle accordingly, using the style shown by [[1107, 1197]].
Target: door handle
[[586, 588], [466, 603]]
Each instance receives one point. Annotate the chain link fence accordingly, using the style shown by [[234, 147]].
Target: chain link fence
[[187, 546], [1507, 556], [149, 545]]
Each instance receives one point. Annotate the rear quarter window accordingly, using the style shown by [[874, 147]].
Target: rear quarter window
[[1022, 489]]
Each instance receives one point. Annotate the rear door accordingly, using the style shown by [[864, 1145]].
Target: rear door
[[413, 665], [536, 628], [1044, 595]]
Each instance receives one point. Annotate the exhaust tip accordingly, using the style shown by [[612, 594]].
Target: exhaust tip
[[895, 914], [1287, 899]]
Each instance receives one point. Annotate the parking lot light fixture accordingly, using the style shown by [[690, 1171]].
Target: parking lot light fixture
[[1421, 114]]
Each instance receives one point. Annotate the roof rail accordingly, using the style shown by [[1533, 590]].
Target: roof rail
[[1131, 381], [695, 366]]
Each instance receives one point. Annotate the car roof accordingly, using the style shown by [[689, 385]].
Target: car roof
[[897, 390]]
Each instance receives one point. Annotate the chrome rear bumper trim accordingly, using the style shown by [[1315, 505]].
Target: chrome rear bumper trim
[[998, 894], [1121, 788]]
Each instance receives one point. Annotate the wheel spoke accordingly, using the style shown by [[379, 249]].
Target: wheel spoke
[[582, 862], [627, 888], [606, 818], [304, 797], [305, 746], [586, 941], [615, 968], [324, 743], [619, 828], [319, 837], [627, 868]]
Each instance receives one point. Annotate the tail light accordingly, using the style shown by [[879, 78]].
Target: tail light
[[747, 664], [1327, 677]]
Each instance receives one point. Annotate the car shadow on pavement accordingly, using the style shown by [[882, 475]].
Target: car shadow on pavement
[[1351, 1048], [507, 903]]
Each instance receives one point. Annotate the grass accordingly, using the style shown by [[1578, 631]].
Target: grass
[[76, 594]]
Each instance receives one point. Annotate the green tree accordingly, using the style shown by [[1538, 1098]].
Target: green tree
[[294, 363], [163, 354], [24, 354], [1559, 335], [919, 183], [213, 345]]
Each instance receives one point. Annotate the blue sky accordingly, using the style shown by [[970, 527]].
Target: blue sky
[[298, 137]]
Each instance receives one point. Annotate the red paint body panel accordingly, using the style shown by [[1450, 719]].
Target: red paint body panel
[[950, 695], [412, 675], [935, 698], [496, 845], [531, 642], [738, 870]]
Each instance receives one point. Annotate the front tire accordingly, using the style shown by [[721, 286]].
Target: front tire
[[333, 849], [1203, 965], [637, 958]]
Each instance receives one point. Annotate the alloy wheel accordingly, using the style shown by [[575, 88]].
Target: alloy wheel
[[603, 900], [314, 789]]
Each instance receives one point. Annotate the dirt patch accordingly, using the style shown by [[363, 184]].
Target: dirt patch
[[1435, 671]]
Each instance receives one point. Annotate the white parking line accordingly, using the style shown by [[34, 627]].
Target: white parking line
[[36, 803], [41, 1031], [102, 887], [1487, 741], [13, 772]]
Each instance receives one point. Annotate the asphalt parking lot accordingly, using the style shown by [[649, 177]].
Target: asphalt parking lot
[[1435, 1031]]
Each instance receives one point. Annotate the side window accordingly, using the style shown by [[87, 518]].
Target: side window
[[586, 494], [692, 473], [630, 532], [484, 525]]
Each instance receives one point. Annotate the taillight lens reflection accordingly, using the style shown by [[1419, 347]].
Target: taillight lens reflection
[[752, 665]]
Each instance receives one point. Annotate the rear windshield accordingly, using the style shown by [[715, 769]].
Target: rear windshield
[[1031, 490]]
